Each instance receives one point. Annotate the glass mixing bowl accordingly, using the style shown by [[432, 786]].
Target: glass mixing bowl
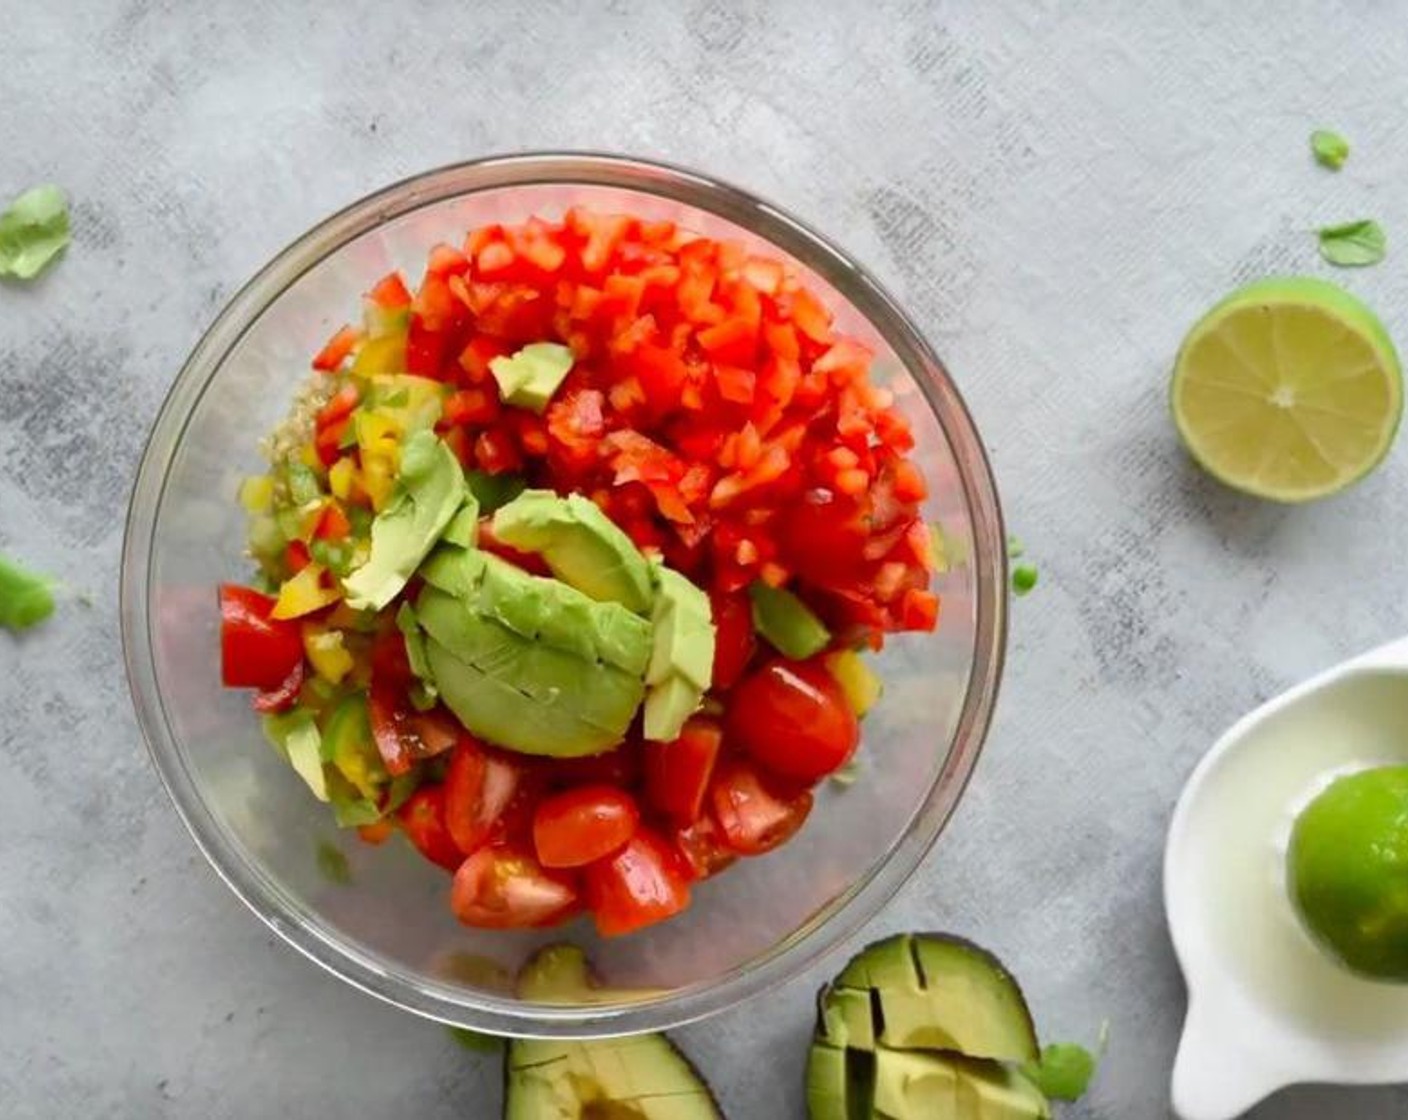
[[386, 927]]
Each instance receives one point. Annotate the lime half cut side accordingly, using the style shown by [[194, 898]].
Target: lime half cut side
[[1289, 389]]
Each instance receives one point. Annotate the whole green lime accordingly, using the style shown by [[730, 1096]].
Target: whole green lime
[[1349, 871]]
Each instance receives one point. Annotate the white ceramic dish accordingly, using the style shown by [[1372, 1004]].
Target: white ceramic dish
[[1266, 1007]]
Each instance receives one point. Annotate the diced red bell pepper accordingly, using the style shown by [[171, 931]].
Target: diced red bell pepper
[[337, 349], [256, 651]]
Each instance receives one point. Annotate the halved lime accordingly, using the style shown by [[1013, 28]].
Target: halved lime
[[1288, 389]]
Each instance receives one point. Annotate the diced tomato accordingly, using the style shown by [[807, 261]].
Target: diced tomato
[[337, 349], [753, 817], [425, 349], [390, 292], [500, 887], [423, 819], [919, 610], [256, 651], [734, 640], [333, 524], [339, 406], [677, 773], [283, 697], [376, 833], [296, 557], [471, 406], [496, 452], [479, 786], [582, 825], [445, 259], [645, 882], [704, 848], [793, 718]]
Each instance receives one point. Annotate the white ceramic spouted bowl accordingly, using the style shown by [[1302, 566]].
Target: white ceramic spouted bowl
[[1267, 1008]]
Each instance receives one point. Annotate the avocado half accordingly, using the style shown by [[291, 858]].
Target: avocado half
[[923, 1027]]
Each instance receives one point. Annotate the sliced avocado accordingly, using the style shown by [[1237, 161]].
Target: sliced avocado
[[938, 992], [463, 529], [682, 658], [432, 490], [845, 1017], [349, 746], [423, 691], [556, 974], [529, 377], [913, 1085], [544, 610], [840, 1083], [580, 544], [645, 1077], [527, 697], [787, 622], [305, 754], [493, 491]]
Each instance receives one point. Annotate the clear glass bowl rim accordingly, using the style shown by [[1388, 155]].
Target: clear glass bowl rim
[[822, 931]]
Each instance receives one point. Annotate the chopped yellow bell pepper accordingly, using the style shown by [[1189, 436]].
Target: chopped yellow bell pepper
[[330, 659], [378, 479], [341, 477], [257, 494], [304, 593], [383, 354], [378, 433], [858, 681], [308, 455]]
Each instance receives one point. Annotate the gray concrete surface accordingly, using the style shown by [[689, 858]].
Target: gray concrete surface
[[1055, 190]]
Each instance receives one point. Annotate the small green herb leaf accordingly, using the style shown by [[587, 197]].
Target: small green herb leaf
[[1064, 1071], [25, 598], [1330, 148], [473, 1040], [1353, 244], [1023, 578], [33, 231], [1014, 547], [333, 864]]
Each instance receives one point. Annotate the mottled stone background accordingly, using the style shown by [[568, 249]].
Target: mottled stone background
[[1055, 189]]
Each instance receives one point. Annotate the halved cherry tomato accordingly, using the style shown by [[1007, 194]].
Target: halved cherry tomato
[[793, 718], [677, 773], [753, 817], [282, 698], [734, 641], [579, 826], [621, 766], [502, 888], [256, 651], [704, 848], [479, 786], [423, 818], [403, 735], [645, 882]]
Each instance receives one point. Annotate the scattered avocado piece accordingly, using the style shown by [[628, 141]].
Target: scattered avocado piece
[[33, 232], [1353, 244], [529, 377], [348, 744], [580, 544], [433, 490], [493, 491], [645, 1077], [25, 598], [333, 865], [1330, 148], [295, 736], [682, 656], [462, 530], [785, 621], [423, 691], [938, 992], [475, 1040], [860, 683], [1024, 577], [1063, 1072]]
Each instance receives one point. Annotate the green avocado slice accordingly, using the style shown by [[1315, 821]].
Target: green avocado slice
[[682, 659], [645, 1077], [432, 491], [580, 544], [913, 1085]]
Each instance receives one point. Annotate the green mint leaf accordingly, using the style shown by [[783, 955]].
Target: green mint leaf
[[1330, 148], [1063, 1072], [1023, 578], [332, 863], [1353, 244], [25, 598], [33, 231], [473, 1040]]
